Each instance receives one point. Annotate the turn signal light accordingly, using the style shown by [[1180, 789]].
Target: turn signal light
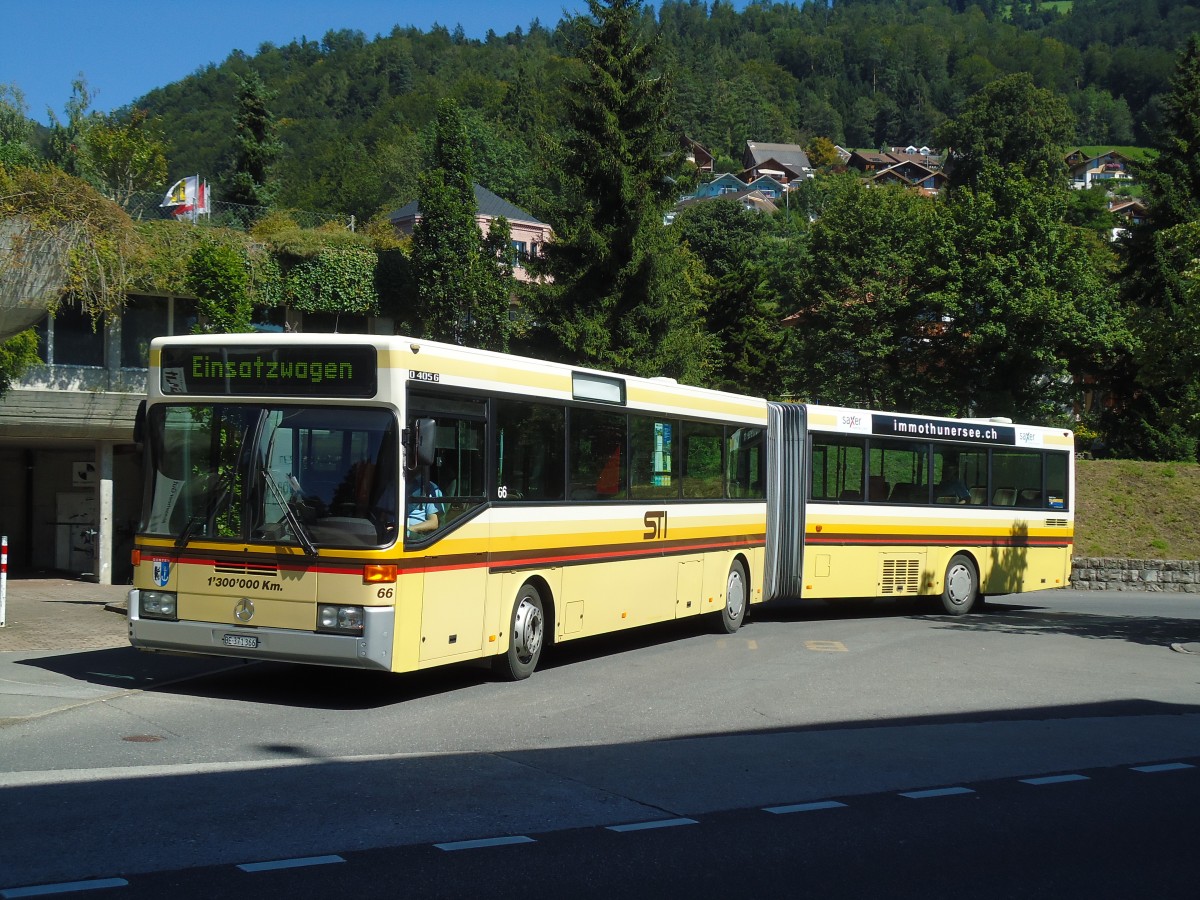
[[380, 574], [135, 557]]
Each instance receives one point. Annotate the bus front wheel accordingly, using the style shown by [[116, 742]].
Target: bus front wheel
[[737, 596], [961, 588], [526, 636]]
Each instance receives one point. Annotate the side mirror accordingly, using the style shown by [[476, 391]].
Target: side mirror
[[139, 424], [420, 442]]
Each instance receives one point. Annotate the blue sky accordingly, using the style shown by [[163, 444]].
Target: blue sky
[[125, 48]]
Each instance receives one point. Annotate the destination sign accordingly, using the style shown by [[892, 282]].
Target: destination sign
[[308, 370], [938, 429]]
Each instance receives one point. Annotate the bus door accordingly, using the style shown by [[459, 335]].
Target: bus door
[[443, 496], [787, 438]]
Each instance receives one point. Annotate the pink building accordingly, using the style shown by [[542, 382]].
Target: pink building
[[529, 236]]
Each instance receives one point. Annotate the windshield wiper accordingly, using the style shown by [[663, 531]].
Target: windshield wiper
[[214, 494], [310, 549], [185, 535]]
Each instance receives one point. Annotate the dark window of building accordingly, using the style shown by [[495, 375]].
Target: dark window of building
[[334, 323], [143, 319], [78, 341]]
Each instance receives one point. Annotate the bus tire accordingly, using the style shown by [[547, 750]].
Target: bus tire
[[737, 599], [526, 636], [961, 588]]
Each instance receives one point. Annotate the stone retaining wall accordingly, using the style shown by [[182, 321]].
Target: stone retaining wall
[[1168, 575]]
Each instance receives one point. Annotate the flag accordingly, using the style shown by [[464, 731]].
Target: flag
[[188, 197]]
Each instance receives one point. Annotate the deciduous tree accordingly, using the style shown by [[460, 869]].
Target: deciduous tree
[[126, 155], [1011, 122]]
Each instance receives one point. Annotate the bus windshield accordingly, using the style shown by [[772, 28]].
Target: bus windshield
[[303, 475]]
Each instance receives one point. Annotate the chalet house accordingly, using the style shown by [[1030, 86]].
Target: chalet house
[[529, 235], [870, 161], [697, 154], [752, 200], [912, 175], [728, 184], [931, 159], [760, 195], [1130, 213], [1088, 169], [784, 162]]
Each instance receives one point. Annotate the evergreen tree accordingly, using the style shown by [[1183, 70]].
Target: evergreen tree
[[625, 294], [1158, 413], [462, 280], [256, 146]]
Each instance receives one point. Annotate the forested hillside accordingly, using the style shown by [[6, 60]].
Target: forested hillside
[[1002, 291], [355, 111]]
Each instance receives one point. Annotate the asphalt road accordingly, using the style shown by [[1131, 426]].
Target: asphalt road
[[155, 782]]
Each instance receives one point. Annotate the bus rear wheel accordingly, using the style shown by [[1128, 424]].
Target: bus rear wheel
[[526, 636], [737, 596], [961, 587]]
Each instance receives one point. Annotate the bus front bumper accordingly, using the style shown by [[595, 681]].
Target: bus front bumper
[[371, 651]]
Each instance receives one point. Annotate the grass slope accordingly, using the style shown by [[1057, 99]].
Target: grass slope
[[1137, 509]]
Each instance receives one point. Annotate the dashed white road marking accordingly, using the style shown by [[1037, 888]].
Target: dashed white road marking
[[646, 826], [1054, 779], [486, 842], [1164, 767], [936, 792], [804, 807], [299, 863], [66, 887]]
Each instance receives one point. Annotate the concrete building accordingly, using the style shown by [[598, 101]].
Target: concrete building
[[72, 472]]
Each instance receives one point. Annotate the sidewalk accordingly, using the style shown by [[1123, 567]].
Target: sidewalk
[[65, 645], [54, 612]]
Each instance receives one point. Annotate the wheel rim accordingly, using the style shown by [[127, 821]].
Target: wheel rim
[[960, 584], [735, 595], [527, 630]]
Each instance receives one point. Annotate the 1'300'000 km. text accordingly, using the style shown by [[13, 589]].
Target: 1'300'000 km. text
[[243, 584]]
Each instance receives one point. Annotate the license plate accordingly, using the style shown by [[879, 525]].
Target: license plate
[[245, 641]]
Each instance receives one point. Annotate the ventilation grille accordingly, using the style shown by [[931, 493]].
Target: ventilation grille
[[263, 570], [901, 576], [1056, 523]]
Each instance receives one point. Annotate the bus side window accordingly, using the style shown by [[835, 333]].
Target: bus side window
[[878, 488], [703, 463], [596, 455], [837, 467]]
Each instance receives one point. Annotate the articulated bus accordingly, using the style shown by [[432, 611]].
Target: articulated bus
[[397, 504]]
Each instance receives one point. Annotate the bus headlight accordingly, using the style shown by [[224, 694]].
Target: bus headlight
[[340, 619], [158, 605]]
